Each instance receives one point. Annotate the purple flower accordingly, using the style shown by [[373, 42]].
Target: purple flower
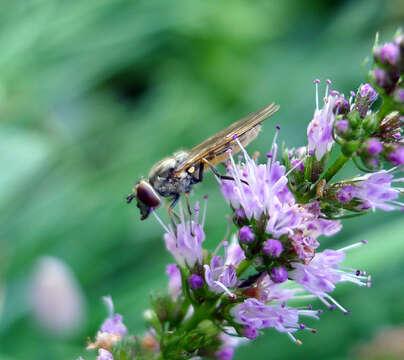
[[314, 226], [175, 283], [113, 324], [342, 127], [382, 79], [250, 332], [186, 242], [220, 277], [399, 95], [341, 106], [323, 272], [319, 131], [266, 193], [367, 91], [234, 253], [246, 235], [376, 191], [304, 246], [260, 316], [225, 353], [273, 247], [346, 194], [104, 355], [373, 147], [388, 54], [279, 274], [195, 281], [270, 291], [397, 156]]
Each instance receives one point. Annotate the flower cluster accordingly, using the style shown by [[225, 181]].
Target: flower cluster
[[282, 210]]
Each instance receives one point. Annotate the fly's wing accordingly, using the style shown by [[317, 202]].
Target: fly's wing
[[214, 148]]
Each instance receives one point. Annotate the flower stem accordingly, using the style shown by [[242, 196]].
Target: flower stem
[[335, 167], [244, 265]]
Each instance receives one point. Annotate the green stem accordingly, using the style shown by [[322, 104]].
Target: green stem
[[335, 167], [194, 320], [244, 265]]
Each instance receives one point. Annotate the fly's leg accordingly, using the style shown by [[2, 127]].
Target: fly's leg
[[189, 212], [188, 205], [171, 212], [219, 175]]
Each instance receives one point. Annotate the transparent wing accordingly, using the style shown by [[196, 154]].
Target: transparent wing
[[214, 148]]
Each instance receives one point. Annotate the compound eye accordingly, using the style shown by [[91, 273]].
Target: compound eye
[[147, 195]]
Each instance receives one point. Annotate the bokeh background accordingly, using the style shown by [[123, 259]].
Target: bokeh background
[[93, 93]]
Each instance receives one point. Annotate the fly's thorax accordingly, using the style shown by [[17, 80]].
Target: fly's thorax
[[165, 167], [165, 180]]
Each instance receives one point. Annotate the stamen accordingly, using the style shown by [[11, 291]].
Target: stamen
[[349, 247], [296, 341], [226, 290], [328, 81], [316, 82], [274, 146], [160, 222], [109, 304], [226, 235], [339, 306], [205, 207]]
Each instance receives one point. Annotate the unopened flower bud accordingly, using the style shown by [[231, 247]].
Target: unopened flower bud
[[273, 247], [354, 118], [370, 123], [371, 162], [239, 217], [382, 79], [373, 147], [399, 95], [341, 106], [367, 91], [350, 147], [396, 156], [388, 54], [246, 235], [195, 281], [346, 194], [226, 353], [279, 274], [342, 127], [250, 332], [399, 40]]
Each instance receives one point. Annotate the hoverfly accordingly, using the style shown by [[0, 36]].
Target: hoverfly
[[176, 174]]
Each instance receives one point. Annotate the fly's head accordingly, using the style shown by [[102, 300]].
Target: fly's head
[[146, 197]]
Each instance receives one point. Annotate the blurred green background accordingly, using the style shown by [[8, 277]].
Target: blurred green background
[[93, 93]]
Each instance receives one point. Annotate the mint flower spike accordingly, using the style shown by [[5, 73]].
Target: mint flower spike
[[111, 331], [374, 191], [323, 272], [104, 355], [113, 324], [319, 131], [256, 315], [185, 241], [175, 281], [221, 275], [266, 193]]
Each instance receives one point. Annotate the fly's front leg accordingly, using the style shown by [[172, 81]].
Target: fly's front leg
[[171, 212], [219, 175]]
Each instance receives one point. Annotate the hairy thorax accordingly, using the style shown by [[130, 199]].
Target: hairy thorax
[[162, 178]]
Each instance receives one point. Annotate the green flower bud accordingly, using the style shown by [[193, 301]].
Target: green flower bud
[[350, 147]]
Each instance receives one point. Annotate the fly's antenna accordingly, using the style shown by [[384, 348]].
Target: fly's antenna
[[129, 198]]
